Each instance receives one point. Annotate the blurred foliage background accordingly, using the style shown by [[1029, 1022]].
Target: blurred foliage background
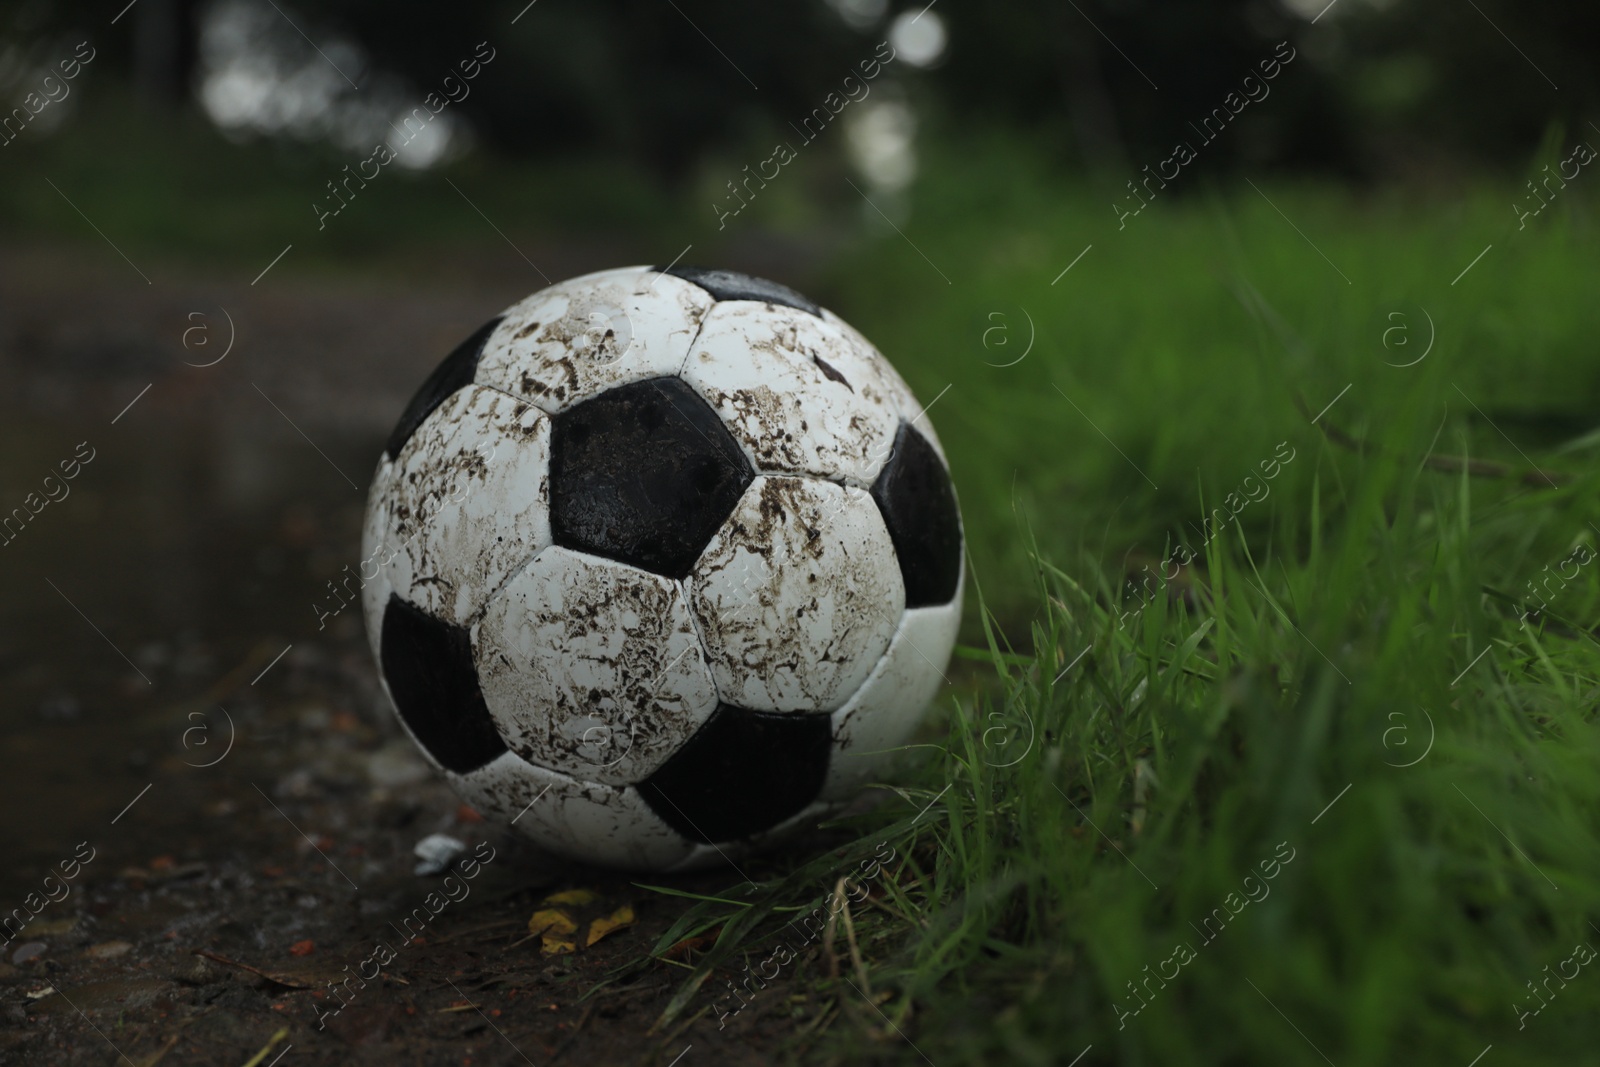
[[1386, 86], [672, 98]]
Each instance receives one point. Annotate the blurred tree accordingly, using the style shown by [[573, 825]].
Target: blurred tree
[[1484, 81], [1117, 82], [636, 78], [166, 50]]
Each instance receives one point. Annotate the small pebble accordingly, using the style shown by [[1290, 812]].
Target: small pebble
[[107, 950], [34, 949], [297, 783], [437, 852], [61, 707], [396, 765]]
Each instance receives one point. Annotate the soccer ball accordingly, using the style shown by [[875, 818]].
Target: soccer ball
[[663, 563]]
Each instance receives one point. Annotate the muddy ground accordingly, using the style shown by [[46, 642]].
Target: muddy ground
[[222, 779]]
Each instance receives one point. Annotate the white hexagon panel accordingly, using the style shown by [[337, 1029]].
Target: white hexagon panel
[[592, 667], [797, 595], [577, 338], [798, 394], [463, 503], [883, 714], [889, 381]]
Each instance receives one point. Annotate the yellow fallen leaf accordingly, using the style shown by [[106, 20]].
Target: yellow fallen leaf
[[551, 920], [551, 945], [599, 928], [573, 896]]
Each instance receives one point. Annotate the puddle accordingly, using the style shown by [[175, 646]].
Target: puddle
[[178, 553]]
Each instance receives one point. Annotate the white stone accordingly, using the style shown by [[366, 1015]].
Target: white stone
[[437, 852]]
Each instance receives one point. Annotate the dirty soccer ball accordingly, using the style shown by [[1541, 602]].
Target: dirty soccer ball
[[660, 564]]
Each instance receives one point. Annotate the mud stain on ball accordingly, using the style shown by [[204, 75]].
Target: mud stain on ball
[[593, 667], [797, 596], [797, 394], [465, 502], [574, 339]]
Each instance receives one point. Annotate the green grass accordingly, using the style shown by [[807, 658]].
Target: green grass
[[1341, 676]]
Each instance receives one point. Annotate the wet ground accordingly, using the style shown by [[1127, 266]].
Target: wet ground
[[209, 809]]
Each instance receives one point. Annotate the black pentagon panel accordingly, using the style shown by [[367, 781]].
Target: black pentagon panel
[[919, 507], [731, 285], [428, 665], [644, 474], [741, 773], [456, 370]]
